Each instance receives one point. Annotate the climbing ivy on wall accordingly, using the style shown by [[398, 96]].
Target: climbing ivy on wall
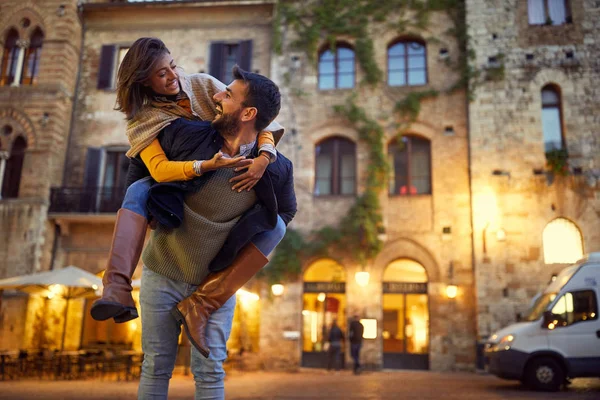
[[315, 22]]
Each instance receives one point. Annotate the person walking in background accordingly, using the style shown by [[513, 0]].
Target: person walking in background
[[335, 338], [355, 335]]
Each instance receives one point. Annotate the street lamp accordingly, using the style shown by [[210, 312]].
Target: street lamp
[[277, 289]]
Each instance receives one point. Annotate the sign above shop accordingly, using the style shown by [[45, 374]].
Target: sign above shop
[[326, 287], [405, 287]]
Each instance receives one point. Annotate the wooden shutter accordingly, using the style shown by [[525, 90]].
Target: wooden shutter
[[216, 60], [245, 55], [107, 65], [94, 163]]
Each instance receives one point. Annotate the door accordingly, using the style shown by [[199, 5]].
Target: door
[[405, 316], [576, 331]]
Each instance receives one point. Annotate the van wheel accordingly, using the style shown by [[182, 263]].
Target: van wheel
[[545, 374]]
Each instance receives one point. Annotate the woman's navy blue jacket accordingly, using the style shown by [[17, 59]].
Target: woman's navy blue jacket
[[185, 140]]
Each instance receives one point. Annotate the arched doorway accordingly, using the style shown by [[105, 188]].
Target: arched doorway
[[324, 300], [405, 316]]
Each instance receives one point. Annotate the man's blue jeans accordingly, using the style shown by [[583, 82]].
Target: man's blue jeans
[[160, 331]]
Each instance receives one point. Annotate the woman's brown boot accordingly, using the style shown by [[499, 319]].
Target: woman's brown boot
[[218, 287], [127, 244]]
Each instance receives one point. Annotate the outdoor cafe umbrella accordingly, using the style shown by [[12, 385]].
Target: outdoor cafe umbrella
[[69, 283]]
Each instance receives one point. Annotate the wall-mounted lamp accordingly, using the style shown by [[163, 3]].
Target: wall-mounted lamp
[[321, 297], [451, 291], [277, 289], [362, 278], [60, 11], [501, 235]]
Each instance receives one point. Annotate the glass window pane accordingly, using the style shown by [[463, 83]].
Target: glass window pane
[[324, 170], [420, 166], [326, 67], [417, 77], [557, 11], [550, 97], [347, 172], [344, 52], [399, 165], [346, 66], [415, 48], [327, 55], [396, 50], [345, 81], [417, 324], [393, 323], [397, 78], [416, 62], [535, 9], [551, 128], [326, 82]]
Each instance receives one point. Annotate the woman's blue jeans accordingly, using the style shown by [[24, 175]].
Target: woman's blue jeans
[[160, 331]]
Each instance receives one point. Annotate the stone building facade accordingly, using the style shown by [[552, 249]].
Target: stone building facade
[[514, 206], [473, 220]]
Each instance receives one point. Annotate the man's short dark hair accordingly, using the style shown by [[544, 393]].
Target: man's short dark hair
[[261, 93]]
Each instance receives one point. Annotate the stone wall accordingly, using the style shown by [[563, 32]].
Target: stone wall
[[506, 135]]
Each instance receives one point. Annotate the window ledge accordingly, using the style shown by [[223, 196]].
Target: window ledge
[[335, 196]]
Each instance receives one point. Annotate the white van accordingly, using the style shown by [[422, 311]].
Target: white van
[[559, 338]]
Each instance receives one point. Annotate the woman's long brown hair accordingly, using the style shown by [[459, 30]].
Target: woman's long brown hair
[[134, 71]]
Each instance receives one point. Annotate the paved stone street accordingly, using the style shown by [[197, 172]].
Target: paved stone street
[[316, 385]]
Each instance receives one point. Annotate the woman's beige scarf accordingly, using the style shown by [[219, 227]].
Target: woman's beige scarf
[[147, 124]]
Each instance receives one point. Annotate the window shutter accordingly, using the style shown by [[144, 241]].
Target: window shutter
[[94, 161], [245, 55], [216, 60], [107, 64]]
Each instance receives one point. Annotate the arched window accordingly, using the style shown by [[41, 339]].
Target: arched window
[[410, 159], [10, 56], [407, 64], [14, 166], [32, 58], [552, 118], [335, 167], [336, 68], [563, 243]]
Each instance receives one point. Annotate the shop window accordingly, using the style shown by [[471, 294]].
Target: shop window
[[405, 311], [552, 118], [224, 55], [548, 12], [13, 170], [563, 243], [407, 64], [111, 57], [10, 57], [410, 159], [32, 58], [335, 167], [337, 68], [324, 301]]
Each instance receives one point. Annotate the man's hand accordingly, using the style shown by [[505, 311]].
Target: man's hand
[[218, 161], [248, 179]]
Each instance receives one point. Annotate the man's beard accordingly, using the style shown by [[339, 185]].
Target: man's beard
[[228, 124]]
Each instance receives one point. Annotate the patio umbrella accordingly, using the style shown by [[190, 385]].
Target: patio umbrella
[[69, 283]]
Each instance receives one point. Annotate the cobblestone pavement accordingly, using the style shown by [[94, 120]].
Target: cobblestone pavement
[[400, 385]]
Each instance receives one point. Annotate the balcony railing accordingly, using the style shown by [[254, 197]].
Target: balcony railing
[[90, 200]]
